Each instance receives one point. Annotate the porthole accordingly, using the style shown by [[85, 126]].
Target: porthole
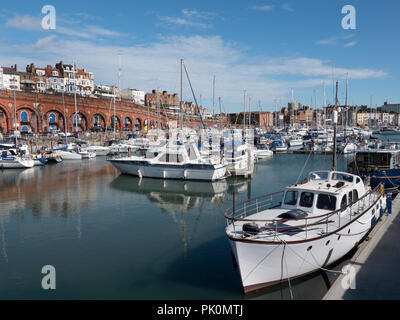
[[309, 248], [339, 238], [348, 232], [327, 244]]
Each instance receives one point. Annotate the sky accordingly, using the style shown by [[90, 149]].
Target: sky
[[258, 50]]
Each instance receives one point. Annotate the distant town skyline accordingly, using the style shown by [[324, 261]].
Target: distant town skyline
[[264, 47]]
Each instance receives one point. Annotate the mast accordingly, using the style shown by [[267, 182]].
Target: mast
[[335, 117], [15, 119], [65, 119], [76, 107], [213, 110], [114, 91], [220, 113], [180, 103], [244, 114]]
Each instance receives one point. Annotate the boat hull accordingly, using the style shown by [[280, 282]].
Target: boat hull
[[204, 172], [265, 264]]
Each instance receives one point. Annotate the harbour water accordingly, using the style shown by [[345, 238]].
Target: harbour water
[[116, 237]]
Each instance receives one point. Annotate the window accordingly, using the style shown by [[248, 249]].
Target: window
[[1, 115], [52, 118], [24, 116], [307, 199], [291, 198], [355, 195], [326, 202], [350, 197], [343, 204]]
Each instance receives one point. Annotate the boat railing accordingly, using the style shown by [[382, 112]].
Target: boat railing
[[327, 223]]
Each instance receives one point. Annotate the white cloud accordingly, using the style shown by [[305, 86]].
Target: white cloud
[[350, 44], [84, 31], [44, 42], [192, 18], [155, 65], [337, 40], [26, 22], [263, 8], [287, 7]]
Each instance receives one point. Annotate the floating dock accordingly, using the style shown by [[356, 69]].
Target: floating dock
[[375, 264]]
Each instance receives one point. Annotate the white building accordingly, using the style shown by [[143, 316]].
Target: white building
[[106, 91], [10, 78], [137, 96], [85, 82], [55, 80]]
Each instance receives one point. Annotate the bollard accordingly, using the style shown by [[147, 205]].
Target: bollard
[[389, 203]]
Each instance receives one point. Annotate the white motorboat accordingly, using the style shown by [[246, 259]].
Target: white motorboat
[[86, 154], [239, 158], [296, 144], [10, 160], [98, 150], [263, 152], [308, 226], [67, 155], [182, 162]]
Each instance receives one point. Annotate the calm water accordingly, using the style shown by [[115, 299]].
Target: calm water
[[115, 237]]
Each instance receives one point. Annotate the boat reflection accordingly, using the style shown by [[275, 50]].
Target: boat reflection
[[177, 199]]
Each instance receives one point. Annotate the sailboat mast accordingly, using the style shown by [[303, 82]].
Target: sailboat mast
[[15, 119], [65, 119], [335, 118], [76, 106], [180, 104]]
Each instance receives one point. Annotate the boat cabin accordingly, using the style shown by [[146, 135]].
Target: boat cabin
[[324, 191]]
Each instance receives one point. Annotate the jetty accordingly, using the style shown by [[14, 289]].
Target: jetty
[[375, 265]]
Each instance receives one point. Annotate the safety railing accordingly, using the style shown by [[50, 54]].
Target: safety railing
[[327, 223]]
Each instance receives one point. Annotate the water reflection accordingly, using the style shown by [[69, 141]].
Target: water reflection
[[52, 191], [177, 198]]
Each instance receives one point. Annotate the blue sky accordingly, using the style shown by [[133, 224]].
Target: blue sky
[[263, 47]]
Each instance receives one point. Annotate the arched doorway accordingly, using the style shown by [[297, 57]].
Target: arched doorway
[[138, 125], [99, 123], [79, 122], [127, 124], [3, 121], [55, 121], [115, 122]]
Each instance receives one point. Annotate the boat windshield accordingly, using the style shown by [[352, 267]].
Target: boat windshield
[[319, 175], [291, 198], [326, 202]]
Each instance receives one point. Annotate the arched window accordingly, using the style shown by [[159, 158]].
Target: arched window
[[76, 119], [52, 118], [24, 117], [96, 120], [25, 129]]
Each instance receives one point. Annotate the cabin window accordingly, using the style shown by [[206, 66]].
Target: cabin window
[[355, 195], [291, 198], [343, 204], [350, 197], [306, 199], [326, 202], [358, 180], [343, 177]]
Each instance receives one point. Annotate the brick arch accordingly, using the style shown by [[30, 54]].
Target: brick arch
[[83, 123], [59, 123], [4, 119], [118, 123], [103, 120], [34, 118], [129, 126]]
